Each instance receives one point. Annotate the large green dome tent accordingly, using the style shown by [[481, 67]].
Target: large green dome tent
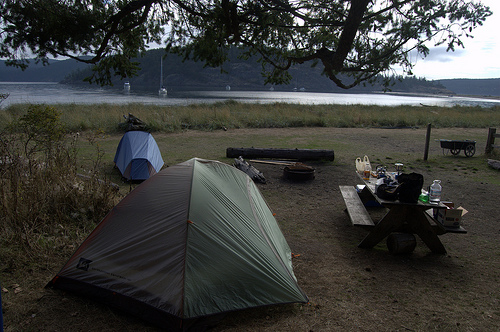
[[192, 242]]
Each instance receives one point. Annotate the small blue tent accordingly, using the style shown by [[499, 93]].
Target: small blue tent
[[138, 156]]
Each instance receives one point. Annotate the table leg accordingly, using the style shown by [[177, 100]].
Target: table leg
[[388, 224], [406, 219], [423, 229]]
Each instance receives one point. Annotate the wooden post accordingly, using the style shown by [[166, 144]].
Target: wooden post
[[427, 139], [490, 141]]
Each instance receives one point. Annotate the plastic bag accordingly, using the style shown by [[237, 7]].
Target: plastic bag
[[363, 164], [360, 166], [366, 161]]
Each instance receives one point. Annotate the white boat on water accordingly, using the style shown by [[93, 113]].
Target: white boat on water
[[126, 87], [162, 92]]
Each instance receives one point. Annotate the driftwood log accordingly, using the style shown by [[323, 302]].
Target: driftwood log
[[114, 186], [254, 173], [132, 123], [295, 154]]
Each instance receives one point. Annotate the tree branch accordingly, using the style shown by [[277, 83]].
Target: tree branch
[[354, 19], [116, 19]]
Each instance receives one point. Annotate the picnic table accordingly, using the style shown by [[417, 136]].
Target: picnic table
[[410, 218]]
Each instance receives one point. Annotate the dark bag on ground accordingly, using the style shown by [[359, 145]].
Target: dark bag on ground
[[410, 187]]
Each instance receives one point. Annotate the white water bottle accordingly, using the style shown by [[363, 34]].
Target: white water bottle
[[435, 192]]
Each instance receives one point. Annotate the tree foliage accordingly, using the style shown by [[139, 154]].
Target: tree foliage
[[41, 128], [358, 39]]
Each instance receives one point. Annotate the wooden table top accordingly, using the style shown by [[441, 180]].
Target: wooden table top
[[370, 185]]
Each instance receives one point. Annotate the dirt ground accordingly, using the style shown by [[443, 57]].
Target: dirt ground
[[350, 289]]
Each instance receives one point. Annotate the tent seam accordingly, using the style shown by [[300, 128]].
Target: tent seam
[[186, 239], [257, 220]]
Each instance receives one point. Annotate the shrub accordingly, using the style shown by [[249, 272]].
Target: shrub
[[42, 195]]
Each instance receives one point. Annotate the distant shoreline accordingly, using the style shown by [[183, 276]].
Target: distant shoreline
[[417, 94]]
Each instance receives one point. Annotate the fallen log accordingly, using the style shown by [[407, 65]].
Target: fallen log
[[296, 154], [251, 171]]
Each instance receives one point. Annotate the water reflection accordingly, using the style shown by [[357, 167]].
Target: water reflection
[[53, 93]]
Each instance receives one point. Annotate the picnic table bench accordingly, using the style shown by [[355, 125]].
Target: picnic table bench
[[355, 208], [410, 218]]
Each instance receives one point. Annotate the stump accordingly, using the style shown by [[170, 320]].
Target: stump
[[401, 243]]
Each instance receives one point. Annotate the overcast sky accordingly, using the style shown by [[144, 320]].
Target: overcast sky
[[479, 59]]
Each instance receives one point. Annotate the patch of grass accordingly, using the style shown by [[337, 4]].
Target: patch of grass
[[232, 114], [320, 230]]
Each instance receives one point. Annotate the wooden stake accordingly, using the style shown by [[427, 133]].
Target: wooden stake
[[284, 163]]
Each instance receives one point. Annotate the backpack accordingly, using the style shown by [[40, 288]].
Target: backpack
[[410, 187]]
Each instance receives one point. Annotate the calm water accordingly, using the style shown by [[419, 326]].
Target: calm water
[[53, 93]]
